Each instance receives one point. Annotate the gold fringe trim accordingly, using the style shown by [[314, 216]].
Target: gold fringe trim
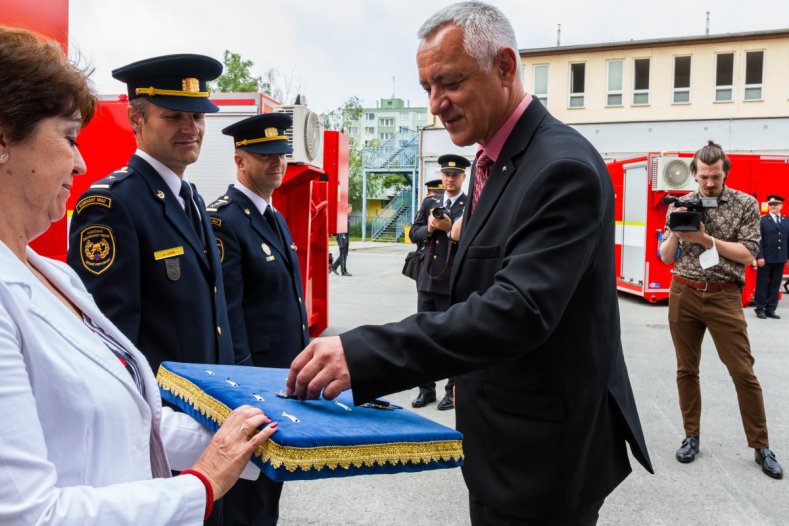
[[316, 458]]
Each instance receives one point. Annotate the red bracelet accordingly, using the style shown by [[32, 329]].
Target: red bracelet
[[209, 491]]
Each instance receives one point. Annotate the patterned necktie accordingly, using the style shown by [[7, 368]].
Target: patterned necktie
[[189, 210], [481, 173]]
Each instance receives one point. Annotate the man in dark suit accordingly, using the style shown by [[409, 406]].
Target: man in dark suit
[[140, 238], [771, 258], [431, 233], [544, 400], [262, 280]]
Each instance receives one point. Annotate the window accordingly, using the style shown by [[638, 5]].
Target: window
[[369, 130], [577, 81], [404, 129], [540, 88], [724, 77], [353, 130], [389, 121], [369, 116], [614, 89], [681, 80], [385, 136], [754, 71], [421, 116], [641, 81], [404, 116]]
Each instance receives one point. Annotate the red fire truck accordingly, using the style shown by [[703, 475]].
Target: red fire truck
[[314, 194], [641, 184]]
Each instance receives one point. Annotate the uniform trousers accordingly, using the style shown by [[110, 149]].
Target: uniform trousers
[[690, 313], [252, 503], [768, 281], [482, 515], [433, 302]]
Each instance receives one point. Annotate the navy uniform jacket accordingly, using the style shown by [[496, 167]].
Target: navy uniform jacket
[[435, 255], [544, 401], [262, 281], [774, 240], [131, 243]]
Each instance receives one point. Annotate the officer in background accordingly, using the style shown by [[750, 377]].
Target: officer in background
[[262, 280], [431, 233], [771, 258], [343, 244], [140, 238]]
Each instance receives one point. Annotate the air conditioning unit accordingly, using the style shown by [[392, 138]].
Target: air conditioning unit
[[672, 173], [306, 136]]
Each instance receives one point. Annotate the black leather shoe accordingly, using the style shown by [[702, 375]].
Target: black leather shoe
[[766, 458], [772, 315], [425, 397], [761, 315], [335, 271], [689, 450], [446, 403], [347, 274]]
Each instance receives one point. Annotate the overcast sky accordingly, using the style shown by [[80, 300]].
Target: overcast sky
[[331, 50]]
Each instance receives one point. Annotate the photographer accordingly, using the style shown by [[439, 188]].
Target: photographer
[[706, 289], [434, 233]]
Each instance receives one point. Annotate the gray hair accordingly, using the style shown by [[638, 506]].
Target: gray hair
[[485, 30]]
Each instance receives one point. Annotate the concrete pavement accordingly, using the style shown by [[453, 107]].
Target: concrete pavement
[[724, 486]]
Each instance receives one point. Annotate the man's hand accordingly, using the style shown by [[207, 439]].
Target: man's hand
[[699, 237], [321, 366], [457, 227], [760, 262], [444, 224]]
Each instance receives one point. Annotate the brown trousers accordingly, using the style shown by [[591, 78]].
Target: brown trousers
[[690, 313]]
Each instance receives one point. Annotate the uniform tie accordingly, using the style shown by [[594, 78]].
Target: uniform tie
[[481, 172], [272, 222], [189, 210]]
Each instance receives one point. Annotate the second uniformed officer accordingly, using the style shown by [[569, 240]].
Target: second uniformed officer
[[140, 238], [262, 279], [771, 258], [431, 232]]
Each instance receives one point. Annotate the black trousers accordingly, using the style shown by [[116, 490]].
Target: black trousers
[[252, 503], [482, 515], [768, 281], [433, 302]]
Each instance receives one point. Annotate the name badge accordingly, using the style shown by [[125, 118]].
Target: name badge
[[168, 253]]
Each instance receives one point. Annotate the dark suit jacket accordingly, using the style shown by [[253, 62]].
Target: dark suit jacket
[[131, 243], [437, 251], [774, 239], [545, 404], [262, 281]]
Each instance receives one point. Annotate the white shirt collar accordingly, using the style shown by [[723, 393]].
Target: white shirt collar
[[260, 203], [170, 178]]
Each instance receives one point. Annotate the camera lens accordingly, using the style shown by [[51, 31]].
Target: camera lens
[[439, 212]]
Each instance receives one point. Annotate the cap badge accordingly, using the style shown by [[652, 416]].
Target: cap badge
[[271, 132], [451, 163], [190, 85]]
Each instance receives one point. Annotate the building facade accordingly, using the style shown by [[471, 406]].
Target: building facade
[[669, 94], [389, 117]]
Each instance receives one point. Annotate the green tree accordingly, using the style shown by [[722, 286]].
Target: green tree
[[237, 75]]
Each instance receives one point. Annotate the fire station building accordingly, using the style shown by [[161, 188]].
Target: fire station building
[[669, 94]]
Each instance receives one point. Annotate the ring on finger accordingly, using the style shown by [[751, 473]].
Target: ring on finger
[[245, 431]]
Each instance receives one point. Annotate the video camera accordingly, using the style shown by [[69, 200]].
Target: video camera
[[690, 220]]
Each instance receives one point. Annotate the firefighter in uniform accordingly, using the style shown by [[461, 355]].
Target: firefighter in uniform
[[262, 279], [771, 258], [140, 238], [431, 233]]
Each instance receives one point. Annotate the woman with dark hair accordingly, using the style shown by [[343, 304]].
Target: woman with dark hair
[[83, 436]]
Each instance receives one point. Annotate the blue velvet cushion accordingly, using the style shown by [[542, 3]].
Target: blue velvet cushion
[[316, 438]]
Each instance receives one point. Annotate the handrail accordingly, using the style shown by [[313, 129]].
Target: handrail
[[391, 212]]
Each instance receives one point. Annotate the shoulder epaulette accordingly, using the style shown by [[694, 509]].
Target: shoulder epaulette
[[113, 178], [219, 203]]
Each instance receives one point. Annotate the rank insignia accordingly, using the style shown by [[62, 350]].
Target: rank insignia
[[98, 248], [293, 246], [215, 221], [221, 247], [160, 194], [266, 249]]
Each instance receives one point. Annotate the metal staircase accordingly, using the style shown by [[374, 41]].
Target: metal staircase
[[397, 155]]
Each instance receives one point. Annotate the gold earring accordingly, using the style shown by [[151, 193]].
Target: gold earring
[[3, 158]]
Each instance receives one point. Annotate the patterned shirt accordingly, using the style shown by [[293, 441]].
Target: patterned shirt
[[735, 219]]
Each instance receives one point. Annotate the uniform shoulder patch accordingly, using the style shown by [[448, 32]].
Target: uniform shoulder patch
[[93, 200], [97, 248]]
